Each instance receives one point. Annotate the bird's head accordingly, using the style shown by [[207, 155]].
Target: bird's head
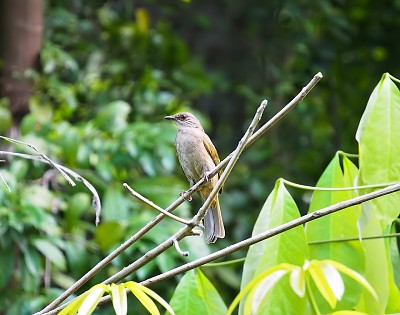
[[185, 120]]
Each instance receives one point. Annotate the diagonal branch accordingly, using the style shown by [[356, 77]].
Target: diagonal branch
[[272, 232], [292, 104]]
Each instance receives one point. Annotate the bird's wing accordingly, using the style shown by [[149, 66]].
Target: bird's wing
[[212, 151]]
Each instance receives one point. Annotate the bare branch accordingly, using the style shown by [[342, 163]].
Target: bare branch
[[292, 104]]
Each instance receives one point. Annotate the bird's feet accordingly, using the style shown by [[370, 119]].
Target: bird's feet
[[184, 195], [206, 176]]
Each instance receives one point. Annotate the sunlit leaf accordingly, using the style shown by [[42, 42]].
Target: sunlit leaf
[[257, 280], [92, 299], [159, 299], [73, 307], [118, 296], [378, 136], [353, 274], [297, 281], [148, 303], [334, 279], [318, 276], [258, 293]]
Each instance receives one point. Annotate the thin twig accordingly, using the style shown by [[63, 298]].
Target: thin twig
[[44, 157], [349, 239], [292, 104], [96, 199], [153, 205], [315, 188]]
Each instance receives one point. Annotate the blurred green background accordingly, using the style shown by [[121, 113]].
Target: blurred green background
[[96, 92]]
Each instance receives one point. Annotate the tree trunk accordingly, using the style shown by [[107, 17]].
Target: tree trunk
[[21, 24]]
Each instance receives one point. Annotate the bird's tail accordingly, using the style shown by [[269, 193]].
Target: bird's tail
[[213, 224]]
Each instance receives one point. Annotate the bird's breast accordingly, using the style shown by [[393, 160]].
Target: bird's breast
[[192, 155]]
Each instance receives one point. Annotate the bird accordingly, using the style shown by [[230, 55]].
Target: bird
[[197, 156]]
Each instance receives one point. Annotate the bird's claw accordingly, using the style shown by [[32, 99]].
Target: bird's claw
[[207, 176], [184, 195]]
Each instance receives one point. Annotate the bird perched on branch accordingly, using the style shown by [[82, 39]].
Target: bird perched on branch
[[198, 156]]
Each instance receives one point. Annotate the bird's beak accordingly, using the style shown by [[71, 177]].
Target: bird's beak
[[169, 117]]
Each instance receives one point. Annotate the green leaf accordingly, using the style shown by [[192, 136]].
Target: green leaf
[[113, 116], [336, 226], [376, 266], [348, 313], [288, 247], [195, 294], [6, 266], [38, 196], [115, 205], [108, 234], [379, 147], [51, 252], [5, 120], [393, 305]]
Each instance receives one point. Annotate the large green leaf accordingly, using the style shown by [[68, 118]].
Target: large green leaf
[[393, 305], [336, 226], [195, 294], [379, 147], [289, 247], [376, 266], [51, 252]]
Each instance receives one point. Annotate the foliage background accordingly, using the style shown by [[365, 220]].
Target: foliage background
[[111, 70]]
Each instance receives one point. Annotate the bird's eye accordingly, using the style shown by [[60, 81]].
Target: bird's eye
[[182, 117]]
